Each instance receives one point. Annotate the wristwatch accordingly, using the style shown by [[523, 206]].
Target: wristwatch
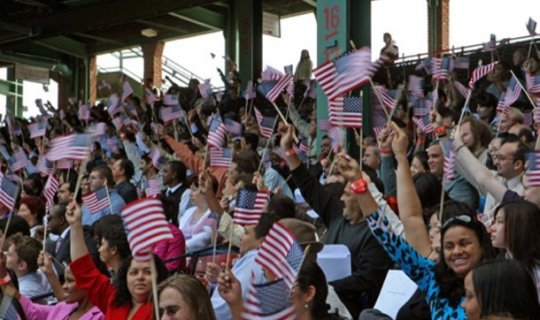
[[359, 186]]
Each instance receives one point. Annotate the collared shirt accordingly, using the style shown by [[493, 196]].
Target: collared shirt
[[116, 203], [173, 189], [60, 311], [33, 285]]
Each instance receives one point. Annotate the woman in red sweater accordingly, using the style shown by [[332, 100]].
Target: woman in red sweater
[[128, 297]]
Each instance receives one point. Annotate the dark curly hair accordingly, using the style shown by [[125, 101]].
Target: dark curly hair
[[450, 284], [123, 296]]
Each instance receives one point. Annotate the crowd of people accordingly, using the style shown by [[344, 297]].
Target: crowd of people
[[447, 190]]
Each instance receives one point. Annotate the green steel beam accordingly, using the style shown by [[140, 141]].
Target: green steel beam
[[65, 45], [5, 88], [202, 17], [159, 25]]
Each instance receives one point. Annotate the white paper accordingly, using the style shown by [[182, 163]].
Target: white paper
[[397, 289]]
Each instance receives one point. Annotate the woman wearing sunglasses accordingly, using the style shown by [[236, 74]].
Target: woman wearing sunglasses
[[464, 243]]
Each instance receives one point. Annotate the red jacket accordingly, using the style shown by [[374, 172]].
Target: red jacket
[[101, 292]]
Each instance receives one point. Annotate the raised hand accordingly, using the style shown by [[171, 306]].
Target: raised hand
[[229, 288], [399, 140], [73, 213], [45, 262]]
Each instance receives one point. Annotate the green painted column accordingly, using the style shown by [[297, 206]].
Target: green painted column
[[332, 41], [248, 25]]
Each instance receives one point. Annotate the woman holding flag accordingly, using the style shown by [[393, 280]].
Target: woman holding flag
[[129, 297]]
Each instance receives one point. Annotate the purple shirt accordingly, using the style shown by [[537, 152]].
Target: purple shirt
[[60, 311]]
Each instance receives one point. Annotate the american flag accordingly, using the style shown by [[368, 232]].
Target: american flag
[[280, 254], [461, 88], [461, 62], [387, 96], [50, 190], [158, 160], [127, 90], [502, 107], [415, 86], [533, 83], [250, 91], [98, 129], [212, 222], [131, 109], [536, 112], [271, 73], [426, 64], [324, 124], [533, 168], [74, 146], [235, 128], [480, 72], [170, 99], [272, 89], [346, 112], [421, 107], [84, 112], [205, 89], [20, 160], [441, 67], [221, 158], [45, 166], [150, 96], [512, 92], [170, 113], [423, 123], [216, 132], [266, 124], [118, 122], [112, 144], [269, 301], [37, 129], [531, 26], [113, 106], [346, 72], [288, 69], [492, 44], [449, 160], [249, 206], [152, 189], [146, 225], [8, 192], [97, 201]]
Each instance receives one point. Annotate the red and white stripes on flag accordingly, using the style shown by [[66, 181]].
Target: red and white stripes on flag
[[415, 86], [512, 92], [533, 83], [480, 72], [97, 200], [280, 254], [220, 158], [536, 112], [74, 146], [266, 124], [150, 96], [278, 87], [423, 124], [37, 129], [533, 168], [152, 189], [268, 301], [64, 164], [44, 165], [50, 190], [386, 97], [216, 132], [20, 160], [146, 225], [461, 88], [345, 112], [127, 90], [347, 72], [249, 206]]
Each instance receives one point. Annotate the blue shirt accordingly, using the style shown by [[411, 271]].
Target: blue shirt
[[117, 203], [272, 180]]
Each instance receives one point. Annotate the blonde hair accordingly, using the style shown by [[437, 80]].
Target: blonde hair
[[194, 294]]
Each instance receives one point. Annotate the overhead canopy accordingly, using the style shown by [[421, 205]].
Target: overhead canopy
[[54, 29]]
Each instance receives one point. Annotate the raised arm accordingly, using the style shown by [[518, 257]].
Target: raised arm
[[475, 172], [78, 247], [410, 208]]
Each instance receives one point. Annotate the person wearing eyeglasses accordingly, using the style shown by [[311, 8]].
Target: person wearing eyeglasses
[[464, 241]]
